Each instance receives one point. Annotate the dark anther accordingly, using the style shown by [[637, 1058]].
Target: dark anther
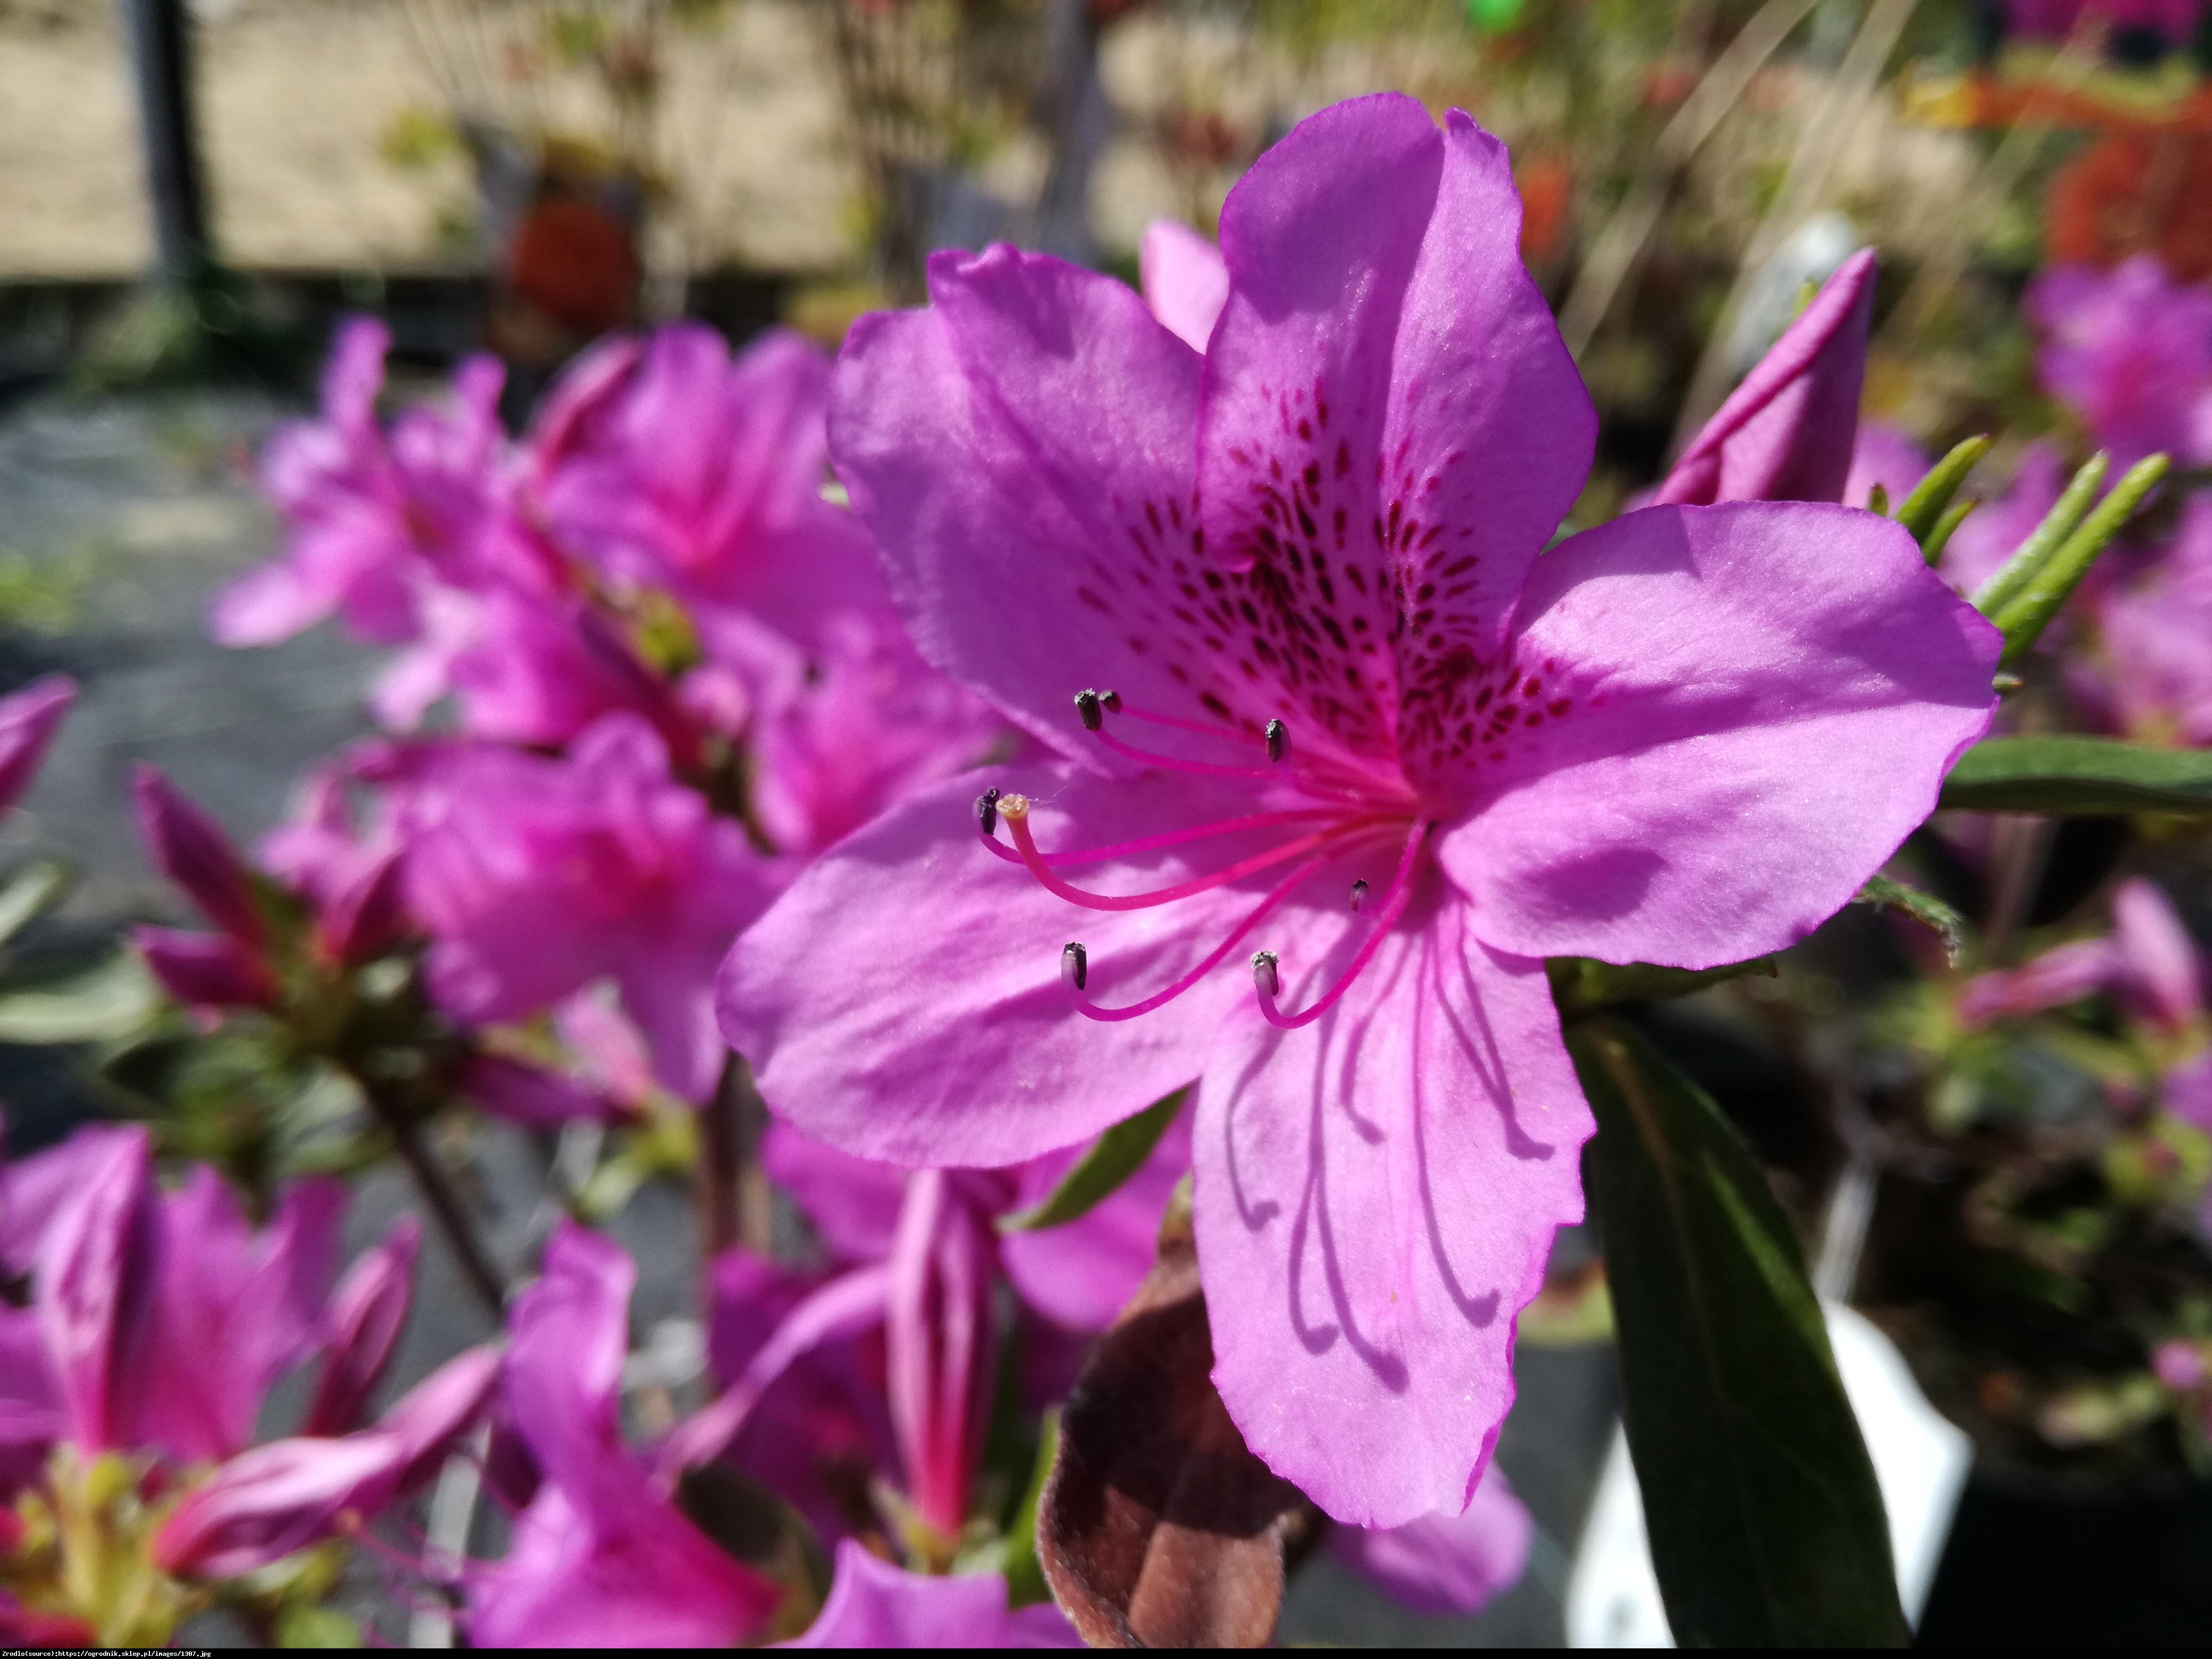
[[1264, 973], [1075, 966], [1092, 710], [1358, 895], [1112, 700], [987, 812], [1278, 740]]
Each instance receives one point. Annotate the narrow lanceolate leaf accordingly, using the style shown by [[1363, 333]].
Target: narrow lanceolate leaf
[[2062, 521], [2068, 776], [2022, 618], [29, 893], [1580, 985], [1766, 1526], [1025, 1582], [1922, 510], [1113, 1159], [1939, 538], [114, 999], [1158, 1528], [1925, 908]]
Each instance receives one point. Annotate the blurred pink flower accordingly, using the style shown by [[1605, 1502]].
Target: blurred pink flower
[[1304, 566], [1993, 532], [872, 1604], [1446, 1563], [2131, 353], [2157, 639], [29, 721], [1882, 454], [601, 1557], [377, 517], [535, 877]]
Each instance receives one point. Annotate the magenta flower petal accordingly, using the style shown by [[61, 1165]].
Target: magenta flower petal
[[852, 1202], [941, 1343], [1446, 1563], [872, 1604], [2065, 973], [29, 718], [908, 929], [1383, 345], [362, 1329], [1402, 1223], [94, 1284], [427, 1420], [193, 850], [2131, 351], [1185, 281], [206, 970], [1035, 406], [1692, 771], [1786, 433], [275, 1500], [2157, 955], [531, 1096]]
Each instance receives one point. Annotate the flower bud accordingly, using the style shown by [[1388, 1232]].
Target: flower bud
[[191, 849], [28, 720], [363, 1322], [206, 970]]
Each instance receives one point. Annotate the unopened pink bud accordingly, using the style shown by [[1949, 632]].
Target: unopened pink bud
[[207, 970], [191, 849], [28, 720], [365, 1318]]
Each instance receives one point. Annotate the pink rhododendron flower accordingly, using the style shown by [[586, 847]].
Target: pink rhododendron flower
[[377, 517], [29, 721], [535, 877], [1353, 719], [872, 1604], [670, 466], [2131, 353], [2148, 961], [1446, 1563], [602, 1556], [2157, 640], [1785, 434]]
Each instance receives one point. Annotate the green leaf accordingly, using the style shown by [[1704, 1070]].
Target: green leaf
[[1945, 527], [1923, 908], [1766, 1526], [303, 1625], [1025, 1584], [113, 999], [1581, 986], [2064, 518], [1922, 510], [29, 893], [2064, 775], [1113, 1159], [2022, 618]]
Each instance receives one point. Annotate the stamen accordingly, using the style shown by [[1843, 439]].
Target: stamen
[[1015, 809], [1170, 838], [1394, 906], [1278, 740], [1176, 763], [1267, 973], [1074, 966], [1214, 959], [1090, 708], [1112, 700], [987, 812], [1358, 895]]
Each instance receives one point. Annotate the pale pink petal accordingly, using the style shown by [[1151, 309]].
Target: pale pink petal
[[1376, 1197], [2064, 974], [1725, 719], [275, 1500], [1185, 281]]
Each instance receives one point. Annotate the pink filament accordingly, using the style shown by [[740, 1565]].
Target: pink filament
[[1025, 844], [1172, 838], [1252, 918], [1174, 763], [1386, 918]]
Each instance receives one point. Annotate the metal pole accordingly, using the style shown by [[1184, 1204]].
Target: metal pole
[[159, 32]]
